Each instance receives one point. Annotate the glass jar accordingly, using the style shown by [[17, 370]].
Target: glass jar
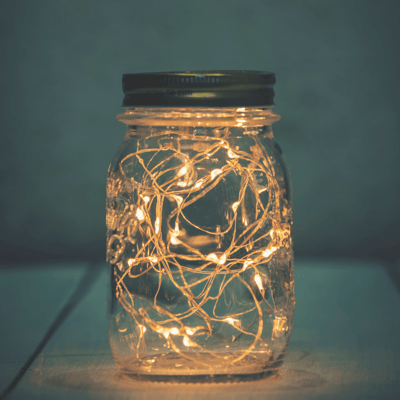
[[199, 229]]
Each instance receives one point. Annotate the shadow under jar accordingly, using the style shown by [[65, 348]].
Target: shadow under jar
[[199, 229]]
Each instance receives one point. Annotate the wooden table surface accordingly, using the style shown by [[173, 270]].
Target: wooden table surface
[[345, 342]]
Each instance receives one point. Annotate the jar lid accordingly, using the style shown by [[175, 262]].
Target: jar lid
[[199, 88]]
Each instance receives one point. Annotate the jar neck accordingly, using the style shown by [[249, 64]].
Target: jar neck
[[239, 117], [197, 132]]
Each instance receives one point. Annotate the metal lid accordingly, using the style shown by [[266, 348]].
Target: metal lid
[[199, 88]]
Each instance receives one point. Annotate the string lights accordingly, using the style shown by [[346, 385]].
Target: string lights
[[199, 240]]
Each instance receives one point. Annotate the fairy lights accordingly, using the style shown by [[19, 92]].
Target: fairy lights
[[159, 235]]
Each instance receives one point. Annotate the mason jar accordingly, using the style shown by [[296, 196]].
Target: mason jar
[[199, 229]]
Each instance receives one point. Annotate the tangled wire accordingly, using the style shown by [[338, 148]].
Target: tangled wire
[[153, 200]]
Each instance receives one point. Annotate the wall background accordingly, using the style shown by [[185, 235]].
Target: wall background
[[337, 65]]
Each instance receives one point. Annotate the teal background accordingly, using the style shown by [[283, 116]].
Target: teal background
[[337, 65]]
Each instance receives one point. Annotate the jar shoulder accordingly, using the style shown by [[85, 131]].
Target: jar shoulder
[[262, 149]]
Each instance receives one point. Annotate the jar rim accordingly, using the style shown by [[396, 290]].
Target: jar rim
[[199, 116]]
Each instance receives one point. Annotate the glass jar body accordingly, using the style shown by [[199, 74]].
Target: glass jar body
[[199, 222]]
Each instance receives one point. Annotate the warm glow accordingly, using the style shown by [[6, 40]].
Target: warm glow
[[215, 172], [232, 321], [178, 252], [142, 329], [235, 206], [131, 261], [174, 240], [176, 230], [179, 199], [157, 225], [246, 264], [268, 252], [258, 281], [139, 214], [222, 260], [231, 154], [182, 171], [212, 257], [174, 331], [280, 327], [198, 184]]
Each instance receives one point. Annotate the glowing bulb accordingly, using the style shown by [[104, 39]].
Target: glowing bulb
[[146, 199], [246, 264], [198, 183], [232, 321], [179, 200], [231, 154], [235, 206], [174, 240], [139, 214], [212, 257], [187, 342], [215, 172], [190, 331], [157, 225], [280, 327], [174, 331], [182, 171], [258, 281], [268, 252], [131, 261], [153, 260], [222, 260]]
